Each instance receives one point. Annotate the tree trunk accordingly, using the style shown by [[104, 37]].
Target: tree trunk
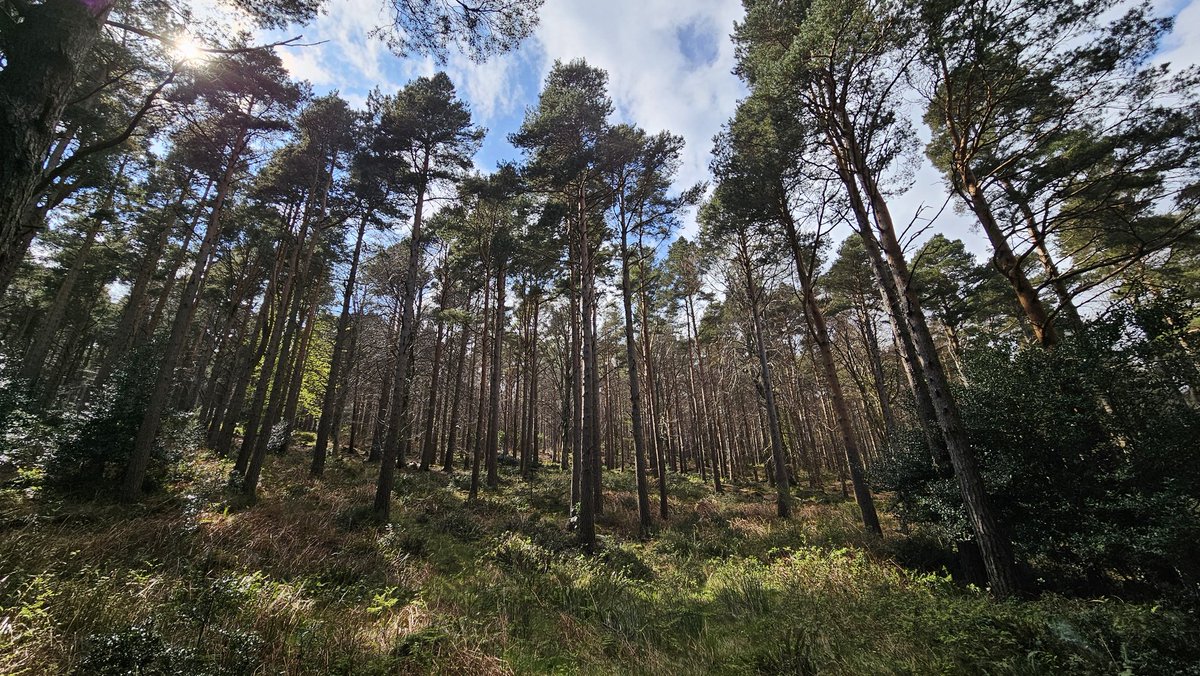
[[575, 395], [706, 412], [143, 446], [335, 362], [399, 413], [1066, 302], [480, 411], [296, 381], [1007, 262], [820, 335], [280, 331], [44, 53], [635, 395], [429, 445], [452, 414], [35, 356], [493, 426], [589, 451], [783, 492], [994, 546]]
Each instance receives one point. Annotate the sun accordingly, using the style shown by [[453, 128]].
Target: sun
[[186, 48]]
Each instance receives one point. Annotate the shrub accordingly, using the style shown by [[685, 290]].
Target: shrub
[[97, 440], [626, 560], [1088, 452], [140, 649], [26, 441]]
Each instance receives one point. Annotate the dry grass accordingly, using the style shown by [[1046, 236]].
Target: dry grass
[[303, 582]]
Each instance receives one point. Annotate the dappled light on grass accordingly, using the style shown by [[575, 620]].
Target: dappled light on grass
[[302, 584]]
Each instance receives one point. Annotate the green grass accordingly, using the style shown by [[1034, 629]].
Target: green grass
[[304, 582]]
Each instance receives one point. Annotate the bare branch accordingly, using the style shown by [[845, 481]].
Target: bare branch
[[290, 42]]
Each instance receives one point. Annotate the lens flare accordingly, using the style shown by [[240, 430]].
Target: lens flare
[[186, 48]]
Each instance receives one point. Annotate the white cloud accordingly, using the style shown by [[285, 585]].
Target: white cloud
[[305, 64], [653, 82], [345, 56], [492, 88], [1182, 47]]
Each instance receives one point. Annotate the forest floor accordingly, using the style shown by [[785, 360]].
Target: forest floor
[[186, 583]]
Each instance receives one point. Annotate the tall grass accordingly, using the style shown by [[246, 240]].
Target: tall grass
[[304, 582]]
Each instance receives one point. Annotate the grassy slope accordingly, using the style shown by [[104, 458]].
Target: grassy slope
[[301, 583]]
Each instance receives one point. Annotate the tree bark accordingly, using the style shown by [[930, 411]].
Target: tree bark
[[783, 492], [493, 426], [994, 546], [399, 413], [335, 362], [39, 347], [820, 336], [139, 460], [480, 411], [635, 395], [429, 443], [590, 447], [44, 53], [452, 413]]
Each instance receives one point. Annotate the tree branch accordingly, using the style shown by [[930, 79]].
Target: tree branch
[[112, 142], [290, 42]]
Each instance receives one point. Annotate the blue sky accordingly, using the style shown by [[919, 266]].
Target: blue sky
[[669, 65]]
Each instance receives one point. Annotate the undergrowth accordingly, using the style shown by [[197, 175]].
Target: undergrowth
[[305, 582]]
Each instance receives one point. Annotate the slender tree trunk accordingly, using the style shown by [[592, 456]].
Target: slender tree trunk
[[452, 420], [35, 356], [296, 381], [493, 428], [871, 340], [706, 412], [349, 378], [592, 362], [575, 396], [820, 335], [1007, 263], [382, 412], [139, 459], [338, 356], [257, 422], [150, 325], [656, 411], [135, 303], [249, 356], [480, 410], [529, 446], [399, 414], [1066, 302], [783, 492], [589, 452], [635, 395], [227, 394], [994, 546], [968, 186], [279, 391], [429, 445]]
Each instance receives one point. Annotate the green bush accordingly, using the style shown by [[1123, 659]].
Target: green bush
[[626, 560], [1089, 453], [97, 440], [140, 649], [27, 442]]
